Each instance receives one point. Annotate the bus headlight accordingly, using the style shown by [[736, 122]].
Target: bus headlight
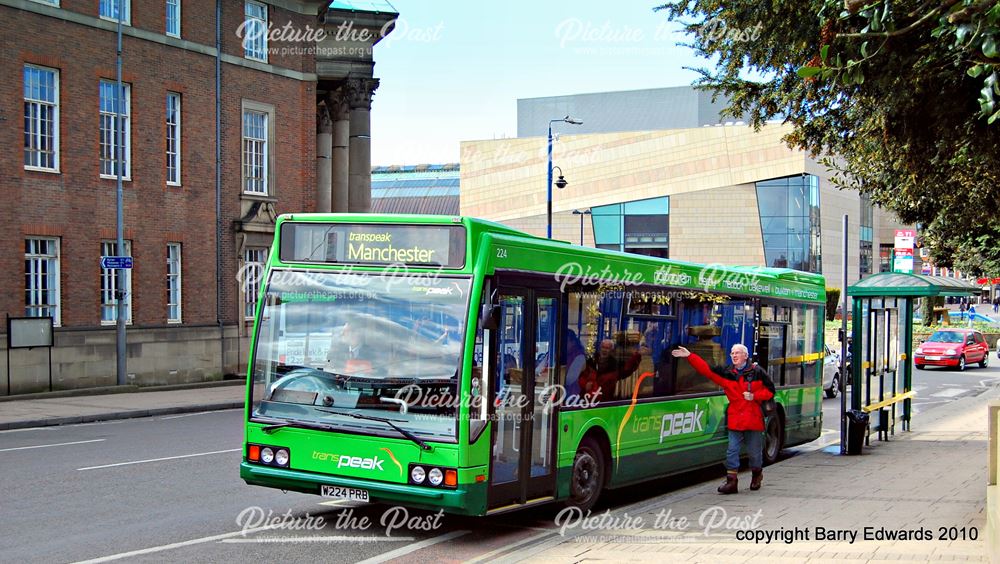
[[281, 457], [417, 475], [266, 455], [435, 476]]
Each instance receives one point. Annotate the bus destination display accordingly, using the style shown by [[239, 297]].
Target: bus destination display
[[415, 245]]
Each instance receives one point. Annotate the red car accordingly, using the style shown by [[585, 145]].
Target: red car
[[953, 347]]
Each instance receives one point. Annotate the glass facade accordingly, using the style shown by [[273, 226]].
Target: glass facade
[[641, 227], [865, 236], [790, 222]]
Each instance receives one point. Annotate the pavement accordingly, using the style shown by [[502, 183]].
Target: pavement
[[928, 485], [925, 483], [43, 410]]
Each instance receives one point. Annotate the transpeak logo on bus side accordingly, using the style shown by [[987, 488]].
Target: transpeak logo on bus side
[[672, 424], [681, 423]]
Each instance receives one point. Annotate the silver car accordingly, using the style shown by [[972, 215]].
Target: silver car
[[831, 372]]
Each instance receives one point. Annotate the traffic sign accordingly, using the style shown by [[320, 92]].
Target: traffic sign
[[116, 262]]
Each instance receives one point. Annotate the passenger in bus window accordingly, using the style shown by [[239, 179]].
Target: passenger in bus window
[[747, 387], [606, 369], [576, 361]]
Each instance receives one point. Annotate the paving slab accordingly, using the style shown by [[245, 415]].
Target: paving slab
[[917, 483], [19, 414]]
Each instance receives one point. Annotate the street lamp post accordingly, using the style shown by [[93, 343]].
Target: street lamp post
[[562, 181], [581, 214]]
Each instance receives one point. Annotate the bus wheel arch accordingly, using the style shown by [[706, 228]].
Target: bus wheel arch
[[592, 454], [774, 436]]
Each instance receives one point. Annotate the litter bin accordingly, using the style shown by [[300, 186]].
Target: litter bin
[[857, 423]]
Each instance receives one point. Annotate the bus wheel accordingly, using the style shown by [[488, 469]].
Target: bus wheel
[[772, 440], [588, 475]]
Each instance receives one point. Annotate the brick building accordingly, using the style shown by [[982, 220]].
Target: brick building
[[222, 128]]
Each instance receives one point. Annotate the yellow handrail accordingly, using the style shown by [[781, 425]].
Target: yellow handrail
[[887, 402]]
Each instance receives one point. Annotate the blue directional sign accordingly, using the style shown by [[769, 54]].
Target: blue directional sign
[[116, 262]]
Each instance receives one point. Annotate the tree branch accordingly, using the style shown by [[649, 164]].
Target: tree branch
[[927, 17]]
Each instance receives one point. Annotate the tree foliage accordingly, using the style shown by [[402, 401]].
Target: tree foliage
[[832, 301], [901, 99]]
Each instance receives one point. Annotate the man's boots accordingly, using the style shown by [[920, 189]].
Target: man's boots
[[731, 486], [758, 477]]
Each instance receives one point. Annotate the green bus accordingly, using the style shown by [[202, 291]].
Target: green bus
[[453, 363]]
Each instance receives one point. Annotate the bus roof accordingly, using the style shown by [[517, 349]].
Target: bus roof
[[477, 227]]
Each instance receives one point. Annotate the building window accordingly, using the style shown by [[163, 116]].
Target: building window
[[109, 129], [865, 236], [865, 260], [173, 139], [41, 118], [110, 283], [255, 31], [109, 10], [641, 227], [253, 270], [41, 278], [255, 152], [790, 222], [49, 2], [173, 282], [173, 26]]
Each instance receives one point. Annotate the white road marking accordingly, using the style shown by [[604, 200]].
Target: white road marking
[[343, 503], [172, 546], [186, 415], [160, 459], [366, 538], [52, 445], [949, 393], [413, 547]]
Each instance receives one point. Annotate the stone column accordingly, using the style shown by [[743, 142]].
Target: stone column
[[340, 114], [360, 92], [324, 152]]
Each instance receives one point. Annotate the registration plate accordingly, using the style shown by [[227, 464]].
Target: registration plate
[[350, 494], [933, 357]]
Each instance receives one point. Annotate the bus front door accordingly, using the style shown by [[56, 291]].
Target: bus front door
[[523, 461]]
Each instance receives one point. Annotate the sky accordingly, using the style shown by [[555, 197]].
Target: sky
[[453, 70]]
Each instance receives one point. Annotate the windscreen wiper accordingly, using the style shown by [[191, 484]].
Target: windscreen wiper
[[388, 422], [268, 429]]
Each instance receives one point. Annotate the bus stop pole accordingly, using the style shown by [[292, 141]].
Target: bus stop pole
[[843, 346]]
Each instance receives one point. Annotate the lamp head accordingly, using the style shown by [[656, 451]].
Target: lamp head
[[572, 121], [561, 182]]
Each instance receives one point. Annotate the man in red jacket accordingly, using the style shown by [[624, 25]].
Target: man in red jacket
[[746, 386]]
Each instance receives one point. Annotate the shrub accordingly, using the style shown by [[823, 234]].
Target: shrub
[[832, 301]]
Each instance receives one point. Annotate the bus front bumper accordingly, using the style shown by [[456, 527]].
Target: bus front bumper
[[467, 499]]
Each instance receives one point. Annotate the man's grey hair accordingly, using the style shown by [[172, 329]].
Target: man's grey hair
[[740, 347]]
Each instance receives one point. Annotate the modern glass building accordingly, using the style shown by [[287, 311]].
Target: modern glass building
[[690, 188]]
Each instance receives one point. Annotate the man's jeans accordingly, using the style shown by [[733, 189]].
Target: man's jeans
[[754, 441]]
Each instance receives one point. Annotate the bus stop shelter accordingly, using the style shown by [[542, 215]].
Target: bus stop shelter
[[882, 341]]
